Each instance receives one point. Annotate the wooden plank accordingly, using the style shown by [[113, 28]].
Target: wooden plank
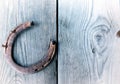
[[31, 45], [89, 51]]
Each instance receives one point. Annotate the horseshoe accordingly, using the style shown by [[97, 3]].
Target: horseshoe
[[35, 67]]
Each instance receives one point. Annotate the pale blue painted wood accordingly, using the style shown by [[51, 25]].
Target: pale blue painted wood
[[89, 51], [32, 44]]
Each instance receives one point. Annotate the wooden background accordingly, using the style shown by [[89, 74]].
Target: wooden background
[[88, 50], [32, 44]]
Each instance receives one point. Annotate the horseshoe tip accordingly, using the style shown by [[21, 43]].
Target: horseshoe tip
[[32, 23], [53, 42], [29, 24]]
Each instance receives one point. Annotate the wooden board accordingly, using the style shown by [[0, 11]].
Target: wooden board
[[89, 51], [31, 45]]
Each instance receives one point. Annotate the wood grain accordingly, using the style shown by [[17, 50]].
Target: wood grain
[[89, 51], [32, 44]]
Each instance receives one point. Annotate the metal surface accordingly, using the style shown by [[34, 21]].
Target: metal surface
[[35, 67]]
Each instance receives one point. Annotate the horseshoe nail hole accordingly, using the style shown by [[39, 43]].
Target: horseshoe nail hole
[[118, 33], [42, 66], [49, 59], [14, 31], [36, 69]]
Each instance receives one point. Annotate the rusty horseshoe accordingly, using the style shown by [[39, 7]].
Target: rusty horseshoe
[[35, 67]]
